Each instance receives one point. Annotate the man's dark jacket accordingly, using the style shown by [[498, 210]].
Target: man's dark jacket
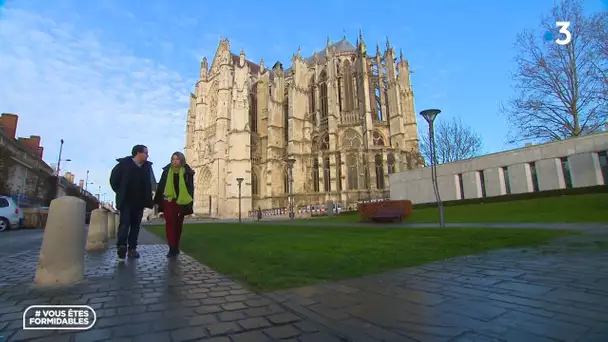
[[125, 172], [187, 209]]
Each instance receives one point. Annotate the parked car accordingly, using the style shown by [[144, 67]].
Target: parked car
[[11, 216]]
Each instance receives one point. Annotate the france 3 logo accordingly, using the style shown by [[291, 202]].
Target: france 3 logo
[[564, 35]]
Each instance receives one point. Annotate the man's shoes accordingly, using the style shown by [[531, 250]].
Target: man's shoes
[[122, 253], [173, 252], [133, 254]]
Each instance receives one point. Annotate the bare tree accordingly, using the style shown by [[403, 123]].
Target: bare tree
[[454, 141], [561, 89]]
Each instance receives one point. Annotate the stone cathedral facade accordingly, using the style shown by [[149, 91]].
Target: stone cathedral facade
[[345, 116]]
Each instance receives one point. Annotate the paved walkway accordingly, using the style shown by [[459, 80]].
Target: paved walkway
[[150, 299], [556, 293]]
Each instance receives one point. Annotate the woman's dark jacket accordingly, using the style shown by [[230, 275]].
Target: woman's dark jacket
[[188, 209]]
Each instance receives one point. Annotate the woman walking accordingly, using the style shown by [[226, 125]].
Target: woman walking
[[174, 198]]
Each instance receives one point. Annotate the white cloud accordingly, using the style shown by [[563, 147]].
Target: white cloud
[[68, 83]]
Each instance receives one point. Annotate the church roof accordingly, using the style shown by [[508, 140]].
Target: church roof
[[342, 46]]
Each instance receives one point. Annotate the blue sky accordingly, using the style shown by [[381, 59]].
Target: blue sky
[[115, 73]]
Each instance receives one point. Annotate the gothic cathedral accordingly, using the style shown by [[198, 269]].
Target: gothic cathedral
[[345, 120]]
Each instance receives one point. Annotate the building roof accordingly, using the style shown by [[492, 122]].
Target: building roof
[[341, 46]]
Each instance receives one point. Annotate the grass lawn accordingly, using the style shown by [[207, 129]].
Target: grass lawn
[[572, 208], [271, 257]]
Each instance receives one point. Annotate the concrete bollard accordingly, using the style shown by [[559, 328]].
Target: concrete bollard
[[62, 251], [97, 239], [111, 225]]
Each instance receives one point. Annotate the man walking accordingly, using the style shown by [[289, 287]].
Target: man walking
[[132, 180]]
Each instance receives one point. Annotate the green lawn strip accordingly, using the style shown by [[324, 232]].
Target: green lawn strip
[[563, 209], [272, 257]]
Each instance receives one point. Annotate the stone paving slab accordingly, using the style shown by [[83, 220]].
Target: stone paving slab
[[150, 299], [555, 293]]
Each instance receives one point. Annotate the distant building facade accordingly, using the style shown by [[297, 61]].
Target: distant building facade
[[577, 162], [22, 171], [346, 117]]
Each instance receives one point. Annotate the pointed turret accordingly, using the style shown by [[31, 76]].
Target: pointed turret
[[361, 47], [204, 69], [242, 58], [262, 67]]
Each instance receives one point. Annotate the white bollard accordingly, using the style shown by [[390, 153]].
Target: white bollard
[[111, 225], [62, 251], [97, 239]]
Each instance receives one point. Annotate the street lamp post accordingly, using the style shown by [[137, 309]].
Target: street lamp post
[[86, 182], [239, 180], [290, 162], [58, 168], [429, 115]]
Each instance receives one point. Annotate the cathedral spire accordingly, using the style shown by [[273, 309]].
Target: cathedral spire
[[401, 55], [361, 45], [388, 44]]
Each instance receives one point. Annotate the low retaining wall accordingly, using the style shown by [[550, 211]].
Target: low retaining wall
[[34, 217]]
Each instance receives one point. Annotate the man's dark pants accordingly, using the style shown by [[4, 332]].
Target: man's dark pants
[[128, 228]]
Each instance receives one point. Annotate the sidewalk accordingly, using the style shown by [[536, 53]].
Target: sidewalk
[[150, 299], [556, 293]]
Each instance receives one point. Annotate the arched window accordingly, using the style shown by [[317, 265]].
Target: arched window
[[339, 77], [253, 108], [378, 96], [286, 116], [390, 161], [323, 95], [377, 139], [315, 174], [311, 95], [326, 174], [285, 182], [348, 86], [255, 186], [351, 140], [353, 171], [338, 172], [324, 143], [379, 172]]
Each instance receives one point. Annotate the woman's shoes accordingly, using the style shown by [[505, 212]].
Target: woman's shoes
[[173, 252]]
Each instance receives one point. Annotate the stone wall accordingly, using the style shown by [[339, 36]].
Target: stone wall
[[577, 162]]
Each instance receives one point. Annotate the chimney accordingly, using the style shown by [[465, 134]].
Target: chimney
[[35, 141], [32, 143], [9, 124], [81, 183], [69, 177]]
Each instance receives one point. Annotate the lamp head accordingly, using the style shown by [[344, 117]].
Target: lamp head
[[240, 180], [430, 114]]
